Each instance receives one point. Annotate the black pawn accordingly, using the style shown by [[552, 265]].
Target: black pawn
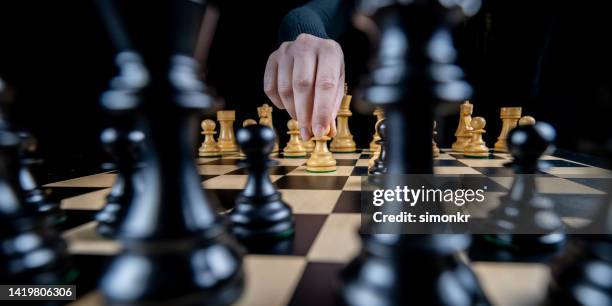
[[379, 166], [33, 194], [126, 149], [581, 274], [523, 209], [260, 213]]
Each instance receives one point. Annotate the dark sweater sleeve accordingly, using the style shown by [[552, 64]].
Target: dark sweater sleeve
[[321, 18]]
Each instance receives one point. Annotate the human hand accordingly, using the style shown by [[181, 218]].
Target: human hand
[[306, 77]]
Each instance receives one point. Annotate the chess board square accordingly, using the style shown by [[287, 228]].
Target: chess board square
[[318, 285], [88, 201], [578, 205], [226, 198], [363, 163], [338, 240], [445, 156], [203, 160], [311, 182], [349, 202], [216, 169], [281, 275], [84, 239], [275, 170], [367, 155], [601, 184], [563, 163], [95, 180], [454, 170], [513, 283], [447, 163], [206, 177], [311, 201], [222, 161], [340, 171], [353, 183], [76, 217], [57, 194], [552, 185], [461, 156], [580, 172], [360, 171], [483, 162], [346, 162], [338, 156], [292, 161], [503, 155], [501, 171], [230, 181]]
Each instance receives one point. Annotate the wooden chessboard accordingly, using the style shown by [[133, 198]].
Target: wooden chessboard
[[326, 208]]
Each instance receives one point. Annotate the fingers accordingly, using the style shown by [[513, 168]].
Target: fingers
[[304, 69], [327, 85], [339, 96], [284, 81], [270, 80]]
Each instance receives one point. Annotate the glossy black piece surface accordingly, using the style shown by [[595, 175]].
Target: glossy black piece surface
[[260, 213], [379, 164]]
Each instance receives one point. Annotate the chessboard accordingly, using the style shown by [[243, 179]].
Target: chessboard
[[326, 209]]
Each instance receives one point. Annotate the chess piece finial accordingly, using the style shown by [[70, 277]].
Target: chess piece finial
[[294, 146], [434, 146], [527, 120], [227, 141], [464, 128], [343, 141], [510, 117], [209, 146], [477, 147], [321, 159]]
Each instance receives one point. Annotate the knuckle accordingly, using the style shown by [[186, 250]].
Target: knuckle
[[285, 90], [326, 83], [269, 88], [302, 83]]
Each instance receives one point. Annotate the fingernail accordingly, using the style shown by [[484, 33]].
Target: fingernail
[[319, 130], [304, 133]]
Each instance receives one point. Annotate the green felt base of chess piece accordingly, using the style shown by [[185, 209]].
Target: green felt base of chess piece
[[293, 156]]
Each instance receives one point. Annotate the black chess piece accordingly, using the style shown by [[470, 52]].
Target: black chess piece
[[126, 149], [31, 251], [176, 250], [260, 213], [525, 222], [411, 76], [33, 194], [581, 274], [379, 164]]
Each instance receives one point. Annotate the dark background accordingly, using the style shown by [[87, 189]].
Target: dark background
[[553, 58]]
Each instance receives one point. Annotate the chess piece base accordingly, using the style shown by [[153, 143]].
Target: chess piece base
[[272, 220], [343, 146], [460, 144], [321, 169], [500, 146], [294, 154], [209, 154]]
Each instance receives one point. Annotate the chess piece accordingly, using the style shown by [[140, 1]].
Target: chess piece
[[464, 128], [343, 141], [246, 123], [523, 209], [383, 271], [376, 153], [477, 148], [260, 213], [527, 120], [434, 146], [321, 160], [265, 118], [510, 117], [309, 145], [175, 249], [126, 149], [31, 252], [378, 165], [33, 194], [209, 147], [294, 148], [227, 142], [581, 274], [380, 114]]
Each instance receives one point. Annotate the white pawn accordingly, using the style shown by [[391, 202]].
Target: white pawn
[[294, 147], [209, 146], [477, 148]]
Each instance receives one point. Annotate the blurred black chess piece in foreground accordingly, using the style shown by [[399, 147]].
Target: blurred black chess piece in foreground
[[31, 251]]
